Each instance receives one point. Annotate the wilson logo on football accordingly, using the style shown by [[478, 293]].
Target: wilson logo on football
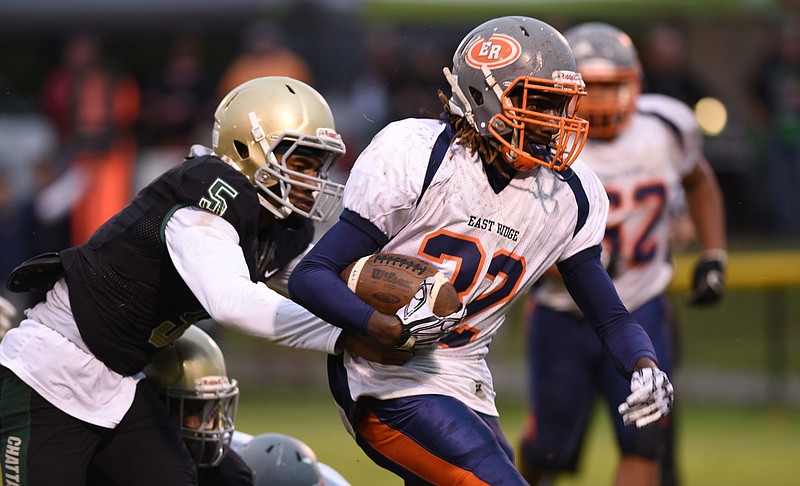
[[498, 51]]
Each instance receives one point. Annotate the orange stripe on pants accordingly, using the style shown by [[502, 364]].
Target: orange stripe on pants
[[401, 450]]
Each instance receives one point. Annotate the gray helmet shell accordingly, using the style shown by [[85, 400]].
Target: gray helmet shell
[[279, 459], [602, 49], [498, 70], [607, 59], [511, 47]]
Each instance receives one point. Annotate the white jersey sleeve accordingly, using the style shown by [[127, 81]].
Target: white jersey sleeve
[[385, 193], [240, 439], [331, 476], [204, 249], [72, 379], [680, 118]]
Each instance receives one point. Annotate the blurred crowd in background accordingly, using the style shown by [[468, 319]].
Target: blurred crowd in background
[[98, 115]]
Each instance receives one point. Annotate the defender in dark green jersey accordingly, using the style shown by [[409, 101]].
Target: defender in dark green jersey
[[200, 241]]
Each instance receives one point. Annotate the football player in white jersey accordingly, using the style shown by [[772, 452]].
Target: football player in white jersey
[[647, 151], [202, 240], [493, 194]]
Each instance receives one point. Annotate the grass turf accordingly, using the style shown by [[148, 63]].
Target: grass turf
[[718, 444]]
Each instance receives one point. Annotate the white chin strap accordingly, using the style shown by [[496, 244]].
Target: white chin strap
[[491, 82], [467, 111]]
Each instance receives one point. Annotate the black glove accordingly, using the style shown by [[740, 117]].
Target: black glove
[[708, 283]]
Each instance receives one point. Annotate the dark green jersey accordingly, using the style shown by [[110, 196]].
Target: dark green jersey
[[126, 295]]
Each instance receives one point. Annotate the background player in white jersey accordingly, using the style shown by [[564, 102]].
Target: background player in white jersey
[[197, 242], [492, 195], [647, 151]]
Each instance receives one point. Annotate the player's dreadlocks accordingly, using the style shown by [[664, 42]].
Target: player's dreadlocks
[[468, 136]]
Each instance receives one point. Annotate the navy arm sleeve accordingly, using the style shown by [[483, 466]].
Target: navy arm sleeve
[[592, 289], [315, 283]]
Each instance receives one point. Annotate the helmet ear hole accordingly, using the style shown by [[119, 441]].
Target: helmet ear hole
[[477, 96], [241, 149]]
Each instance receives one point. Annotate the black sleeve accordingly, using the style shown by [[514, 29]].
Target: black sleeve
[[232, 471]]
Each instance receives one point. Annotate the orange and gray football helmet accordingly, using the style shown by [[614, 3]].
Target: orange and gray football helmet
[[498, 71], [607, 60], [280, 115], [190, 374]]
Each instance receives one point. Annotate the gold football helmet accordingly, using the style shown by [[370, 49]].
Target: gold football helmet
[[190, 374], [261, 125]]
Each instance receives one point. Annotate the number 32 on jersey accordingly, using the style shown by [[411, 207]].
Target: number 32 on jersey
[[469, 256]]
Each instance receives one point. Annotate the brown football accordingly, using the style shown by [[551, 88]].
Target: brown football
[[388, 281]]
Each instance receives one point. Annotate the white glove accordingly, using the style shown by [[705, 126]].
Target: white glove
[[7, 314], [650, 399], [421, 327]]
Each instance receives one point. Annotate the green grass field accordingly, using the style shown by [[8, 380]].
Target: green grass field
[[718, 445]]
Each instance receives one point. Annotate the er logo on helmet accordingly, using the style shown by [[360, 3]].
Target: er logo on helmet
[[497, 51]]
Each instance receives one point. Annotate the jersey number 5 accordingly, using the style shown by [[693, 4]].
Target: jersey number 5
[[216, 202], [168, 331]]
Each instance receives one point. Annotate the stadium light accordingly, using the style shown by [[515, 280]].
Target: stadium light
[[712, 116]]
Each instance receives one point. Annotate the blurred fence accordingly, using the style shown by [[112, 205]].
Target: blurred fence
[[760, 315]]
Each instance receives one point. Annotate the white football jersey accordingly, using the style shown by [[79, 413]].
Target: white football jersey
[[493, 247], [641, 169]]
